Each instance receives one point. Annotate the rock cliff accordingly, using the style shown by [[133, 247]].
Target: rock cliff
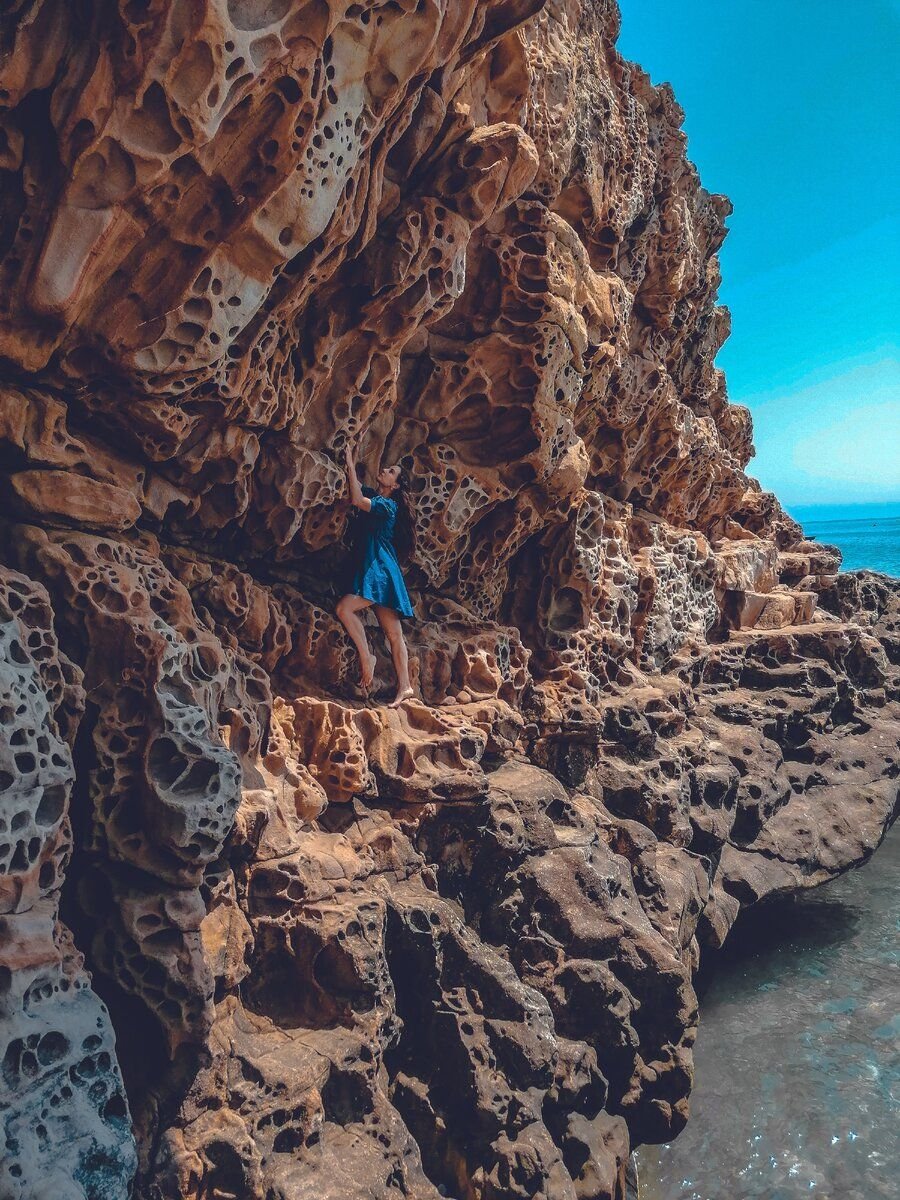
[[264, 939]]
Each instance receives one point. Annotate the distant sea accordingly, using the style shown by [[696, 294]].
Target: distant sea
[[868, 535]]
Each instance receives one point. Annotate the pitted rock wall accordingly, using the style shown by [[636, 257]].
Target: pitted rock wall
[[263, 938]]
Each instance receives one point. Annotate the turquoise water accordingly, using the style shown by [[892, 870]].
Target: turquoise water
[[866, 542], [797, 1060], [867, 534]]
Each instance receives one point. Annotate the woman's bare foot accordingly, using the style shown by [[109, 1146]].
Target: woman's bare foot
[[368, 672], [404, 694]]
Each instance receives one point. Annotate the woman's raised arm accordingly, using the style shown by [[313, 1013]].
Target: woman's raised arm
[[356, 496]]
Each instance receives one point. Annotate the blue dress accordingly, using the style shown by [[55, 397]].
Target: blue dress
[[378, 576]]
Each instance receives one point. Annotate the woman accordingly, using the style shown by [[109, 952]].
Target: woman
[[378, 579]]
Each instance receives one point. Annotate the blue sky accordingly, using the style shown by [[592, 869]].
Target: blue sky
[[792, 110]]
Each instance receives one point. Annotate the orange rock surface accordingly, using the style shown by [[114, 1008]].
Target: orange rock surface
[[261, 938]]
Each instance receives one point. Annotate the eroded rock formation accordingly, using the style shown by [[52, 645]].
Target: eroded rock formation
[[338, 949]]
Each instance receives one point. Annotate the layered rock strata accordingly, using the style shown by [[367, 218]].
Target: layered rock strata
[[262, 938]]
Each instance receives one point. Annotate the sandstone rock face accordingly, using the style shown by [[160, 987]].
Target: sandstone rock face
[[261, 939]]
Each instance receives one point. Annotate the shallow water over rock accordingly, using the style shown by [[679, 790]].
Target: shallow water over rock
[[797, 1077]]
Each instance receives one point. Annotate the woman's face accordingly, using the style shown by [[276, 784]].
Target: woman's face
[[389, 477]]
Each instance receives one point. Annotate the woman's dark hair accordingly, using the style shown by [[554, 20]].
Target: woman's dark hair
[[405, 529]]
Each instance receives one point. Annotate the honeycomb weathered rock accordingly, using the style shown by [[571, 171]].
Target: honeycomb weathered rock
[[63, 1111], [346, 950]]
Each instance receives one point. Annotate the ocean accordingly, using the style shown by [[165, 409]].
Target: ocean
[[797, 1059], [868, 536], [797, 1080]]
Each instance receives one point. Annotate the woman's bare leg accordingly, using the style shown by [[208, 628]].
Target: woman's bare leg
[[390, 623], [348, 610]]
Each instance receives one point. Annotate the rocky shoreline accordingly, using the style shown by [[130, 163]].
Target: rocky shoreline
[[262, 938]]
